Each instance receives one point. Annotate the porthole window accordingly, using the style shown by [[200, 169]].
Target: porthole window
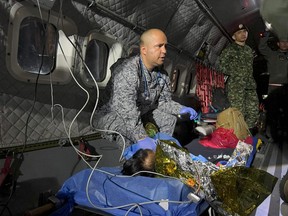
[[100, 52], [96, 58], [37, 46]]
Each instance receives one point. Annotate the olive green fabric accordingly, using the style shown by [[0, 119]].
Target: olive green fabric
[[232, 118], [242, 189], [237, 62]]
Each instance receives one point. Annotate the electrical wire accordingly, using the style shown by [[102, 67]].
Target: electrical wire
[[14, 181], [131, 205], [93, 169], [97, 99], [81, 154], [68, 131], [40, 12]]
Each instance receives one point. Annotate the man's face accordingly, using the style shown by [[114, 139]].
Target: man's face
[[155, 49], [283, 45], [240, 36]]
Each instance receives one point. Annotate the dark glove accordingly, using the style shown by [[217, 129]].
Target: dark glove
[[189, 110]]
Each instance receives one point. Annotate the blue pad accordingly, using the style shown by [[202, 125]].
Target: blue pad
[[106, 191]]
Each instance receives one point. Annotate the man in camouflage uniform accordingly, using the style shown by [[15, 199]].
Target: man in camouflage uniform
[[139, 92], [236, 60]]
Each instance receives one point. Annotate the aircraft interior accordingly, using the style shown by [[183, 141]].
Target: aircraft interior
[[55, 63]]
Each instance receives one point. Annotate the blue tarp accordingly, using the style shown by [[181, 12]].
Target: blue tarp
[[107, 191]]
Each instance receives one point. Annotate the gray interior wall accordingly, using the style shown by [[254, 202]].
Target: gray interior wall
[[186, 27]]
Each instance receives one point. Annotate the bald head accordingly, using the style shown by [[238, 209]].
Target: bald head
[[149, 35], [153, 48]]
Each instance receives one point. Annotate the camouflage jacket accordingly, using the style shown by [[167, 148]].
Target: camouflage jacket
[[133, 91], [237, 62]]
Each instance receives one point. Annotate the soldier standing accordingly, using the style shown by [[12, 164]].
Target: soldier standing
[[236, 61]]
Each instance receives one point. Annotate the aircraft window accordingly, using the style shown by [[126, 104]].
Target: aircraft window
[[96, 58], [37, 46], [100, 52], [174, 80]]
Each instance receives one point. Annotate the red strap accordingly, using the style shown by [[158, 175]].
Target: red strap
[[83, 148], [6, 169]]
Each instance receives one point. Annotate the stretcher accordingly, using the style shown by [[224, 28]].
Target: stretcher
[[120, 195], [105, 191]]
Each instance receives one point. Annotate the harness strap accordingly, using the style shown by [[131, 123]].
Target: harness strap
[[6, 169]]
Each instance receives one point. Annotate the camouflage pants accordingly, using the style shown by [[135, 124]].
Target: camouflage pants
[[113, 122], [246, 101]]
